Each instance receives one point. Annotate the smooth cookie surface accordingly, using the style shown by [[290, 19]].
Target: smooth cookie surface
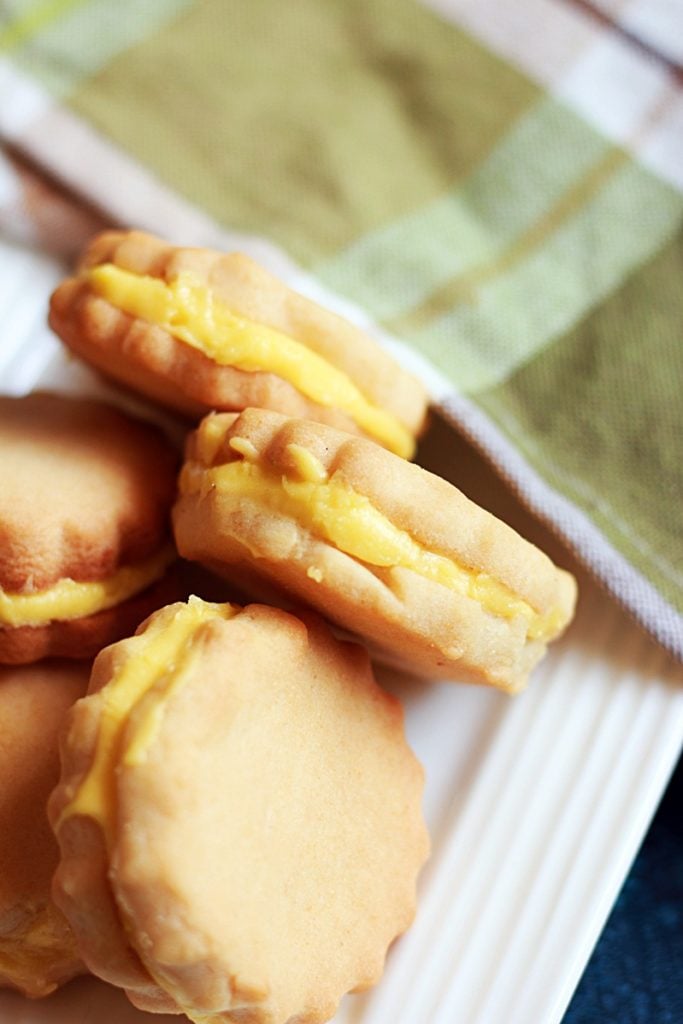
[[266, 833]]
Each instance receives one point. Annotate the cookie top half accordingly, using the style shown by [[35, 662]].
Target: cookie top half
[[84, 505], [239, 816], [199, 330], [382, 547]]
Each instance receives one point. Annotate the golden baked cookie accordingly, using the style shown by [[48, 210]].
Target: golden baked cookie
[[385, 549], [239, 817], [199, 330], [37, 949], [85, 549]]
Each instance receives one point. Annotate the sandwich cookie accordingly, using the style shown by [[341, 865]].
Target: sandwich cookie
[[86, 552], [37, 949], [199, 330], [238, 816], [385, 549]]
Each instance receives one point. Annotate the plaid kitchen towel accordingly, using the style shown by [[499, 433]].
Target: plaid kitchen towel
[[494, 189]]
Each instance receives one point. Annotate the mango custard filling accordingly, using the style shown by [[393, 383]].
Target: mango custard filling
[[70, 599], [159, 664], [334, 512], [191, 313], [137, 695]]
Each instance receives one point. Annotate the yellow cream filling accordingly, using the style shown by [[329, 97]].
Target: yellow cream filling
[[190, 312], [160, 659], [71, 599], [160, 663], [335, 512]]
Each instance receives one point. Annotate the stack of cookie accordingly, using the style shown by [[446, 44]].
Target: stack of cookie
[[86, 554], [238, 816]]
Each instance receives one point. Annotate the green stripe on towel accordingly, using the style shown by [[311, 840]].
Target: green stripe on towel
[[599, 414], [310, 123]]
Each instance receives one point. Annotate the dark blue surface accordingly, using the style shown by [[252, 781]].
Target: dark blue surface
[[635, 975]]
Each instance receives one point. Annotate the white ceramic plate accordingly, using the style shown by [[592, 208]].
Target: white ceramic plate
[[536, 804]]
